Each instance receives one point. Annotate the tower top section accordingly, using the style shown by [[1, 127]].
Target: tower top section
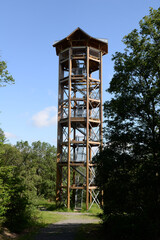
[[80, 38]]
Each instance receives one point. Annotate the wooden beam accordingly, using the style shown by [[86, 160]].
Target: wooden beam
[[101, 103], [79, 57], [101, 114], [94, 143], [93, 187], [94, 59], [64, 60], [90, 173], [94, 100], [69, 130], [77, 187], [59, 137], [94, 80], [78, 99], [77, 164], [92, 165], [87, 134], [64, 80]]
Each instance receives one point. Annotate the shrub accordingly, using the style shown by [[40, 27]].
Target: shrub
[[15, 210]]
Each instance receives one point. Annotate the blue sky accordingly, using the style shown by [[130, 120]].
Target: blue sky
[[28, 30]]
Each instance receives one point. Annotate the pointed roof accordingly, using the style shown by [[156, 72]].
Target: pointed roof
[[80, 38]]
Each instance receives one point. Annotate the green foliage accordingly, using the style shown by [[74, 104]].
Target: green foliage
[[38, 168], [96, 210], [129, 167], [18, 212], [44, 204], [2, 137], [26, 174], [5, 77], [14, 207], [4, 192], [14, 202]]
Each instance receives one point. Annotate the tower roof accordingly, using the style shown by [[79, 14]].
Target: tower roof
[[80, 38]]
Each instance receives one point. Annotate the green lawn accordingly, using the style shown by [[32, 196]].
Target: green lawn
[[51, 206], [47, 217], [43, 218], [47, 214]]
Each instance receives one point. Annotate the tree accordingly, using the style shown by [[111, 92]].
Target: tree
[[134, 111], [44, 157], [129, 167], [5, 77], [4, 195], [38, 168], [15, 211]]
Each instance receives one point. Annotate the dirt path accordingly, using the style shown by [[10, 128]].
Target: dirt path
[[65, 229]]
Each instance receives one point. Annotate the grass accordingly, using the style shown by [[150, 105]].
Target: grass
[[47, 214], [45, 204], [47, 217], [94, 209], [51, 206], [86, 231], [43, 218]]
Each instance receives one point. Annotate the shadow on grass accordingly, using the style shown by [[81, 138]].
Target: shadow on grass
[[90, 232], [29, 233], [60, 231]]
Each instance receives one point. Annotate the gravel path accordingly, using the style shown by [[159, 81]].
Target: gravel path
[[65, 229]]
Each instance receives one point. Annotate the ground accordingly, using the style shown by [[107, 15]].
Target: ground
[[60, 225], [67, 228]]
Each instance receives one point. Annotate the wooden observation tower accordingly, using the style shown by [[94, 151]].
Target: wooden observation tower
[[79, 117]]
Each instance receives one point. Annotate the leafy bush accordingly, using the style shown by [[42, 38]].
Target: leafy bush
[[4, 199], [15, 210], [18, 214]]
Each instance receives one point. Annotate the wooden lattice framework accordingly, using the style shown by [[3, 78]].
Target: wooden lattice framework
[[79, 115]]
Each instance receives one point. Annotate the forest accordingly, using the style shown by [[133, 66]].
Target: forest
[[27, 174], [128, 167]]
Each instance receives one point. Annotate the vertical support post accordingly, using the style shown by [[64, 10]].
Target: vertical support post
[[74, 153], [74, 130], [59, 136], [101, 114], [69, 130], [101, 107], [87, 133], [74, 183], [90, 173]]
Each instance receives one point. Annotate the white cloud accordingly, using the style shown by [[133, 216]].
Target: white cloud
[[10, 135], [46, 117]]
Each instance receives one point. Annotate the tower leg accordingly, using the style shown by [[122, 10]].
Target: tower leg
[[58, 184]]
